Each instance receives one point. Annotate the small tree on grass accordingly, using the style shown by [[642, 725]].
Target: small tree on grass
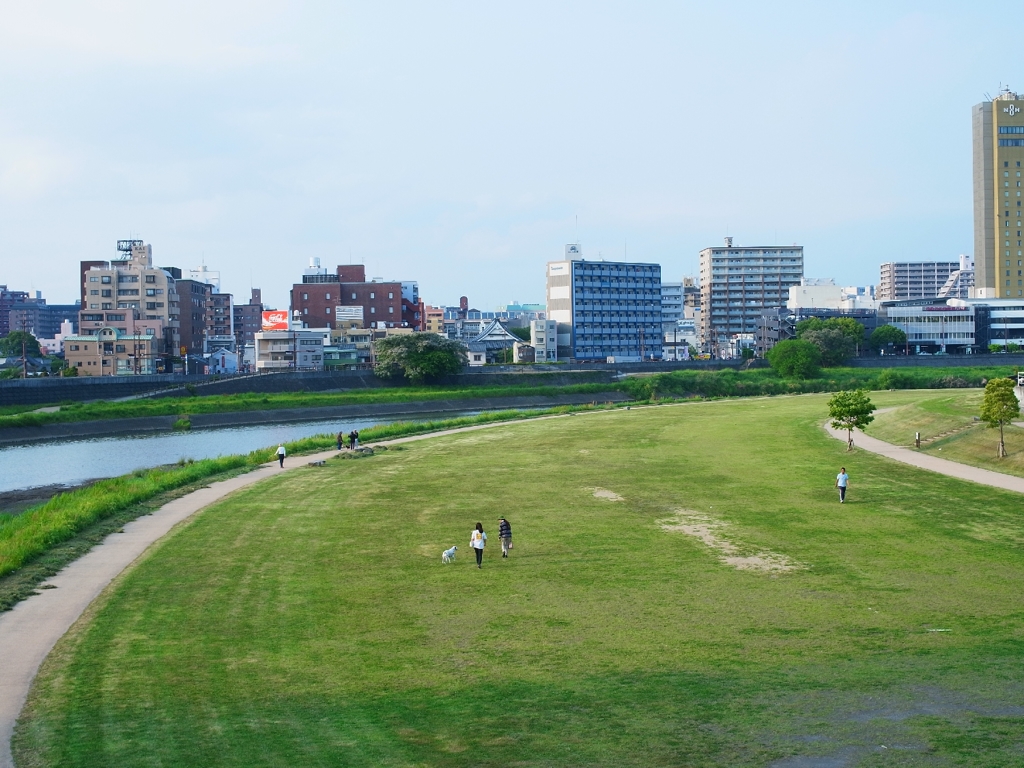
[[795, 357], [850, 411], [1000, 407], [418, 357]]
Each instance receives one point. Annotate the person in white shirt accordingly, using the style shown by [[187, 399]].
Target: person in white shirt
[[280, 455], [842, 483], [477, 540]]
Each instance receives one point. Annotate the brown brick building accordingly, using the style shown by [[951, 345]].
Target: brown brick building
[[248, 319], [194, 310], [320, 294]]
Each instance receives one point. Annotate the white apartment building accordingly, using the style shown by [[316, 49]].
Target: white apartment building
[[823, 293], [914, 279], [738, 283], [544, 340], [297, 349]]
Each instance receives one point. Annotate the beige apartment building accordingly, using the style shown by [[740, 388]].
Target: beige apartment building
[[132, 296], [998, 150], [108, 352]]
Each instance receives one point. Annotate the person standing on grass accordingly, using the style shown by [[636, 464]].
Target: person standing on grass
[[504, 536], [280, 455], [842, 483], [477, 540]]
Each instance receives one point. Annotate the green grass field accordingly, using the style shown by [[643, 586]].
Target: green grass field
[[945, 419], [309, 621]]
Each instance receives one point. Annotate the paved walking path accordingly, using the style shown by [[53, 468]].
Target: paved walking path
[[30, 629], [931, 463]]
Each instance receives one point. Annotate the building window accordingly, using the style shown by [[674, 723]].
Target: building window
[[305, 310], [372, 295], [328, 296], [327, 311], [94, 279], [391, 295], [150, 278], [105, 279], [391, 310], [353, 295], [373, 310], [305, 297]]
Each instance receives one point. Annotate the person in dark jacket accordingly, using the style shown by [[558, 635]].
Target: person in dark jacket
[[504, 536]]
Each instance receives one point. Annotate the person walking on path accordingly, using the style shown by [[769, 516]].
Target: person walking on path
[[477, 540], [504, 536], [340, 439], [280, 455], [842, 483]]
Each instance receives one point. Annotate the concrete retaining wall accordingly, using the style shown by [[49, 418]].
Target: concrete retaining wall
[[936, 361]]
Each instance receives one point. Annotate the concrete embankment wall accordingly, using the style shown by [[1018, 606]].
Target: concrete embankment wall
[[112, 427], [936, 361]]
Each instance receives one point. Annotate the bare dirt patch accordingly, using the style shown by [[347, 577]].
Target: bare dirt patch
[[710, 531], [601, 493]]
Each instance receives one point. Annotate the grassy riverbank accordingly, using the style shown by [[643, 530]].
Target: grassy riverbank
[[189, 406], [948, 427], [764, 381], [678, 384], [685, 590], [29, 536]]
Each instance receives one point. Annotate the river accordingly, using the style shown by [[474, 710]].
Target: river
[[71, 462]]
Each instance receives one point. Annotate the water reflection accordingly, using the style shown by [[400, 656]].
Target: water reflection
[[70, 462]]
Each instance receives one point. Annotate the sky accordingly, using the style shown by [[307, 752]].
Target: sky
[[462, 144]]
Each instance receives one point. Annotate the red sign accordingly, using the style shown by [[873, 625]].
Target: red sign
[[275, 320]]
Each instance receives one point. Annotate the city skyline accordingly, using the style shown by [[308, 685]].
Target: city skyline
[[462, 147]]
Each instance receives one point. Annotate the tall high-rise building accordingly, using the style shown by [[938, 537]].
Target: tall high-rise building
[[998, 142], [605, 308], [738, 283]]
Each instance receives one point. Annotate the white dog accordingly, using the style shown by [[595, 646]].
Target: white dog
[[448, 555]]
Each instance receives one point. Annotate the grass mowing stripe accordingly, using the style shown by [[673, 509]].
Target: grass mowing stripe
[[309, 620]]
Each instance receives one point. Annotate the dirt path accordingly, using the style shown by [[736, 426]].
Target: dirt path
[[29, 631], [931, 463]]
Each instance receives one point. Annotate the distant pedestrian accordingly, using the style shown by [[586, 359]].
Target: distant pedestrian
[[842, 483], [477, 540], [504, 536], [355, 439], [341, 440], [281, 454]]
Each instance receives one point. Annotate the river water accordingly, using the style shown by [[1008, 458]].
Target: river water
[[70, 462]]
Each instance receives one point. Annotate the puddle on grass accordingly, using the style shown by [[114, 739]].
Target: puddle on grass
[[601, 493], [709, 531]]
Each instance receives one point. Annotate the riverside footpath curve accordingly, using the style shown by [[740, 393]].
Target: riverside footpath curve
[[932, 463], [30, 630]]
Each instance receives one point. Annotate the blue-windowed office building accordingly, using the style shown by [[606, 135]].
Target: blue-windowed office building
[[605, 309]]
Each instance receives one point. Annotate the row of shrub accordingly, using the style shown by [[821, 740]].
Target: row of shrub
[[732, 383], [27, 536]]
